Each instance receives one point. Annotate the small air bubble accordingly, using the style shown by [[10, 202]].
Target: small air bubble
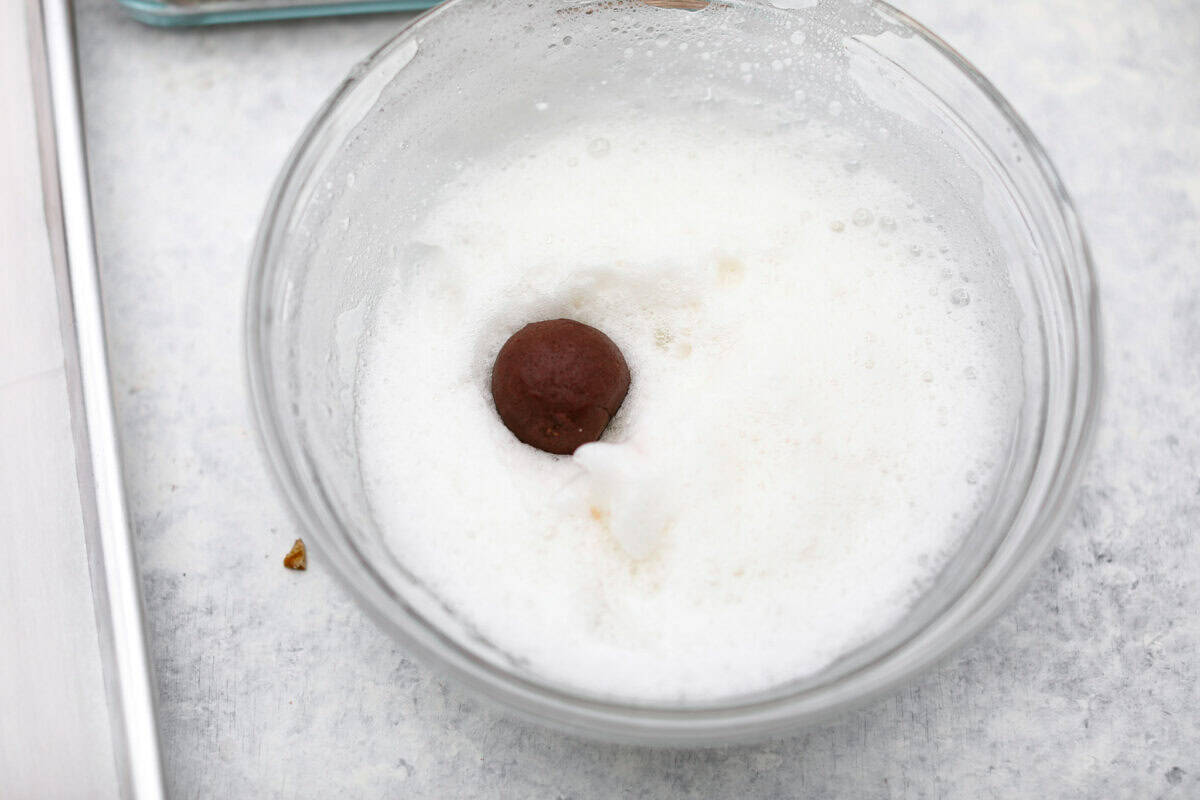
[[567, 40], [862, 217], [960, 297], [835, 108], [797, 37], [887, 223], [914, 250], [853, 165], [837, 226], [599, 148], [350, 178], [572, 162], [777, 65], [662, 40], [972, 478], [927, 376], [970, 374]]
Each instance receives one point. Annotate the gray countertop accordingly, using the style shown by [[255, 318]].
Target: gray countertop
[[273, 683]]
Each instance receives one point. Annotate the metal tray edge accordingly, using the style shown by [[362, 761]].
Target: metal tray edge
[[116, 586]]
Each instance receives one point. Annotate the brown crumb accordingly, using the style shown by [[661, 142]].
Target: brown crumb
[[297, 557]]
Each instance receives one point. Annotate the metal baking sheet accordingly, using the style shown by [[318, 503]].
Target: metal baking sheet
[[75, 681]]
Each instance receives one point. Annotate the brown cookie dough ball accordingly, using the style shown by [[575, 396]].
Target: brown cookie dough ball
[[557, 383]]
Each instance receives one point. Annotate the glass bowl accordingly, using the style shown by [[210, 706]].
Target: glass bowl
[[445, 87]]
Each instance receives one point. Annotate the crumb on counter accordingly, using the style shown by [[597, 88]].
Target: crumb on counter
[[297, 557]]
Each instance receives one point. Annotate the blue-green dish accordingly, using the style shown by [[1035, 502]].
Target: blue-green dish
[[213, 12]]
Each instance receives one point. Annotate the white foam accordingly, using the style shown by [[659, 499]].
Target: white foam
[[791, 464]]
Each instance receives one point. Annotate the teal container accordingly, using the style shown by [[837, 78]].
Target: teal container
[[213, 12]]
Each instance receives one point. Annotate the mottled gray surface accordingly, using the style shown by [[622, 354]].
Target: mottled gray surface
[[273, 683]]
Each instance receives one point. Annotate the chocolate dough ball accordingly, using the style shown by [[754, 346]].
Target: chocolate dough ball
[[557, 384]]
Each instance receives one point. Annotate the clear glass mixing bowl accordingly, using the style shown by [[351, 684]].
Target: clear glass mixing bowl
[[441, 90]]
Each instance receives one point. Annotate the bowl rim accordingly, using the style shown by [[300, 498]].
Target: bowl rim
[[613, 720]]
